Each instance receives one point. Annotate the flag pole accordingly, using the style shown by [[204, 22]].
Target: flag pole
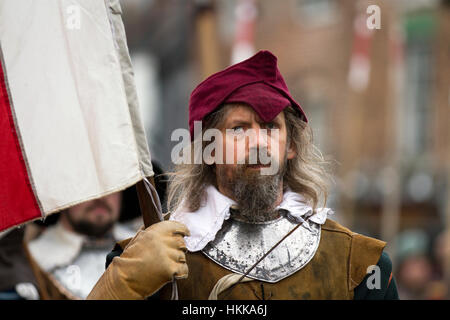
[[151, 214], [148, 208]]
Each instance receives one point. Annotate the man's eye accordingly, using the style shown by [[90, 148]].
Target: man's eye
[[238, 129], [271, 125]]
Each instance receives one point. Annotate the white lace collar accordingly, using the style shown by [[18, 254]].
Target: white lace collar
[[204, 223]]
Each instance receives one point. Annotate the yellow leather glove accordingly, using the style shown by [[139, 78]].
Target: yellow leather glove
[[151, 259]]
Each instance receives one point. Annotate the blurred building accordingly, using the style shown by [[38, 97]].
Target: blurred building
[[159, 35]]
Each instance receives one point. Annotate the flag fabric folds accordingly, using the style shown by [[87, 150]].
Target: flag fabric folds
[[70, 129]]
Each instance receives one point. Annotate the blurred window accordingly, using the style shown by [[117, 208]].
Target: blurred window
[[315, 13], [419, 68]]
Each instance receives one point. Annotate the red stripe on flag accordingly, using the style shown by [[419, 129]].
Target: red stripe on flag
[[17, 200]]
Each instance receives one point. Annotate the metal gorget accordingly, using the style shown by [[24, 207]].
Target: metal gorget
[[238, 245], [81, 275]]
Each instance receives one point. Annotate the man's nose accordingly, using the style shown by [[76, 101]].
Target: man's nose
[[259, 138]]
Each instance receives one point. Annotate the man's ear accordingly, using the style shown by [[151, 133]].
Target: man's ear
[[291, 152]]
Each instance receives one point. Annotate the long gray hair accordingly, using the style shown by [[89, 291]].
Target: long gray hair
[[306, 174]]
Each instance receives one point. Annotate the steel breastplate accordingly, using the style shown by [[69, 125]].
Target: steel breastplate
[[239, 245], [83, 273]]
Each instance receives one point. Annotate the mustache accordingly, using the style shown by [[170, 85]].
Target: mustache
[[99, 203], [258, 156]]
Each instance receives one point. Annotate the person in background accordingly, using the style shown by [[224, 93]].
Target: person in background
[[17, 281], [414, 270], [67, 251], [438, 289], [69, 257]]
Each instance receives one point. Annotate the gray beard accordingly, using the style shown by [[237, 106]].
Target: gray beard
[[254, 193], [256, 197]]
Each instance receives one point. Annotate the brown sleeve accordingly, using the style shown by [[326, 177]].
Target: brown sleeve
[[364, 252]]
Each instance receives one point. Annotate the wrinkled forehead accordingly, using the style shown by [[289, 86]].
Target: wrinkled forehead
[[241, 112]]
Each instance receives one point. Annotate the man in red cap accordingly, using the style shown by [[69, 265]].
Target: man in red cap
[[241, 233]]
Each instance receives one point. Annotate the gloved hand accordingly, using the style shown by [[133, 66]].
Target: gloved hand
[[150, 260]]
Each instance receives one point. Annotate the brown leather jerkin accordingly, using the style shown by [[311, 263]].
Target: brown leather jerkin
[[338, 267]]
